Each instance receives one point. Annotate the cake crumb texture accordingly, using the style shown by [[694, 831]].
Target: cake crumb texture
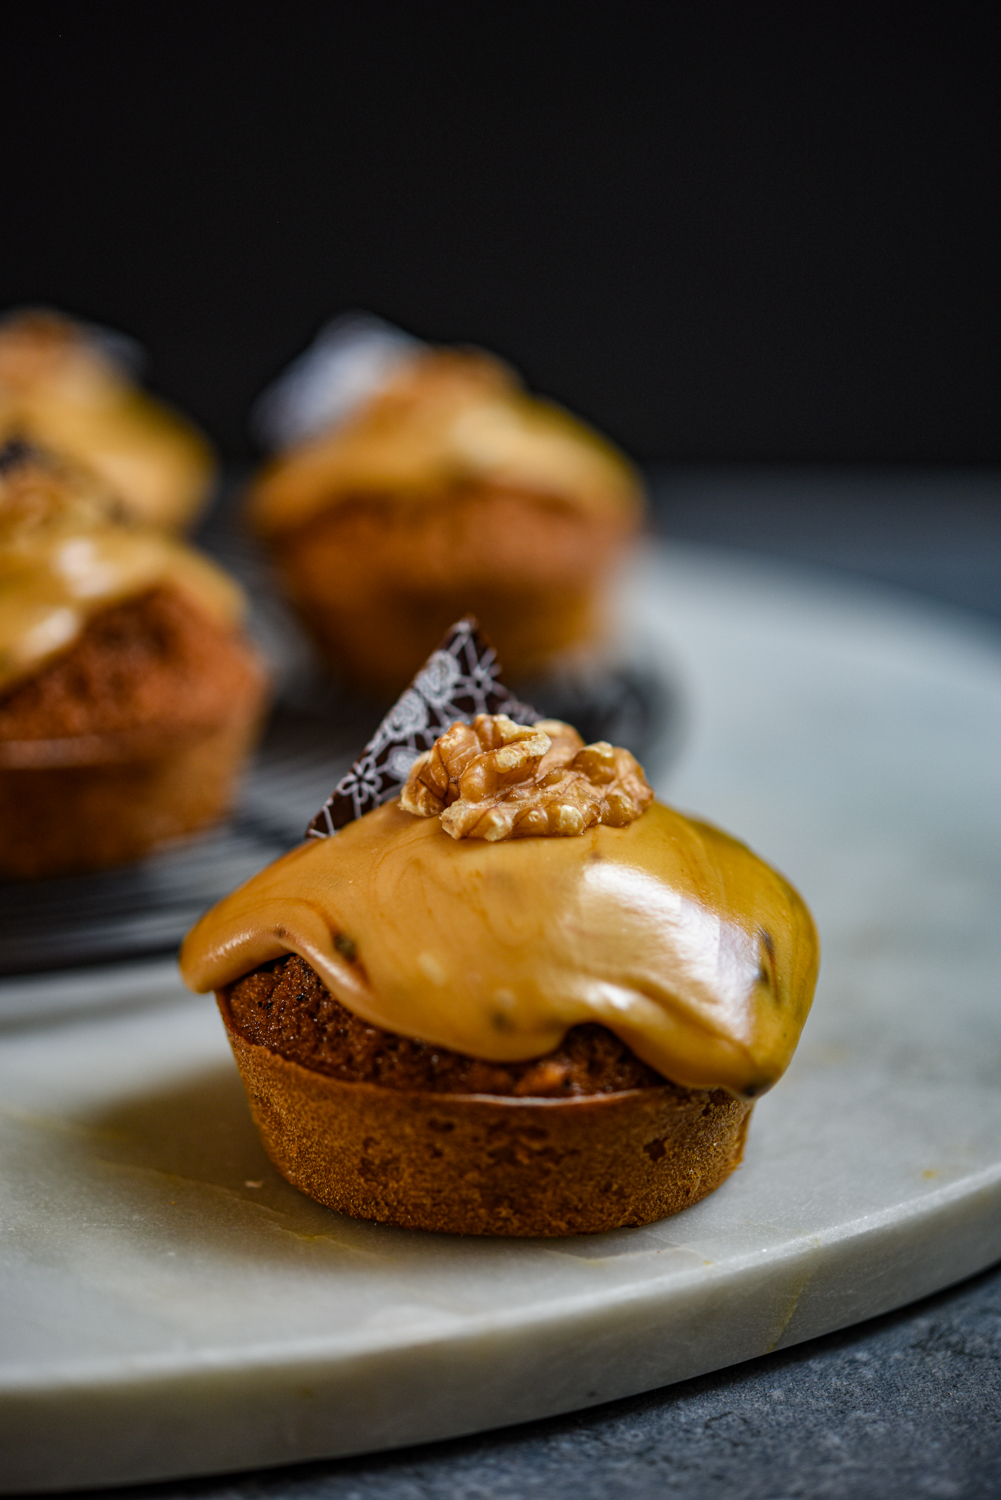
[[527, 566], [476, 1164], [286, 1007], [152, 660], [131, 737]]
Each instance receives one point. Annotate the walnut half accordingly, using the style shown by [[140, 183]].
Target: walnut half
[[495, 779]]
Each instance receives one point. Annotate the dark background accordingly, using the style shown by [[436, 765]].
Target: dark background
[[722, 232]]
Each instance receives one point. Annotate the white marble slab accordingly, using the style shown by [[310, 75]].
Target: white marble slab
[[170, 1306]]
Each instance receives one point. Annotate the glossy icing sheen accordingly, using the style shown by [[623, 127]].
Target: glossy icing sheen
[[63, 558], [58, 389], [669, 932], [446, 421]]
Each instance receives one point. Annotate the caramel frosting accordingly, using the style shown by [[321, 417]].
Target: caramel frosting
[[444, 421], [61, 389], [699, 956], [65, 554]]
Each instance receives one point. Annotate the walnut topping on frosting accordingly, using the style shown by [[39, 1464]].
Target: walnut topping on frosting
[[495, 779]]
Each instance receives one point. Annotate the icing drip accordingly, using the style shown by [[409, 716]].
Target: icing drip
[[673, 935], [676, 937], [65, 553]]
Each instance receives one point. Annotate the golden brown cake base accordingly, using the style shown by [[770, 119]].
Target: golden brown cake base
[[378, 582], [476, 1164], [132, 737], [60, 820]]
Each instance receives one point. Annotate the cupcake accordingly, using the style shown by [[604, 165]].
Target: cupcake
[[66, 387], [414, 484], [510, 994], [129, 694]]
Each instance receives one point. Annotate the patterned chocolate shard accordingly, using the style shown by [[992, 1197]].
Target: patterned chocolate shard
[[458, 681]]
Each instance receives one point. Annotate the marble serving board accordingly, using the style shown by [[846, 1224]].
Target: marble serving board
[[170, 1306]]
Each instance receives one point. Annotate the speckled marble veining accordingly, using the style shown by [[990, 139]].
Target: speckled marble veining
[[907, 1405]]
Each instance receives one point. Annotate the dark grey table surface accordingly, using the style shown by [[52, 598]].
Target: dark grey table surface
[[905, 1405]]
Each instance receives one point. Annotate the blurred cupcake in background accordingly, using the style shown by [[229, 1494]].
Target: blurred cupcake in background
[[129, 693], [412, 485], [69, 388]]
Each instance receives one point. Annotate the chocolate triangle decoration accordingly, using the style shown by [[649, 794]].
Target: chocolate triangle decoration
[[458, 681]]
